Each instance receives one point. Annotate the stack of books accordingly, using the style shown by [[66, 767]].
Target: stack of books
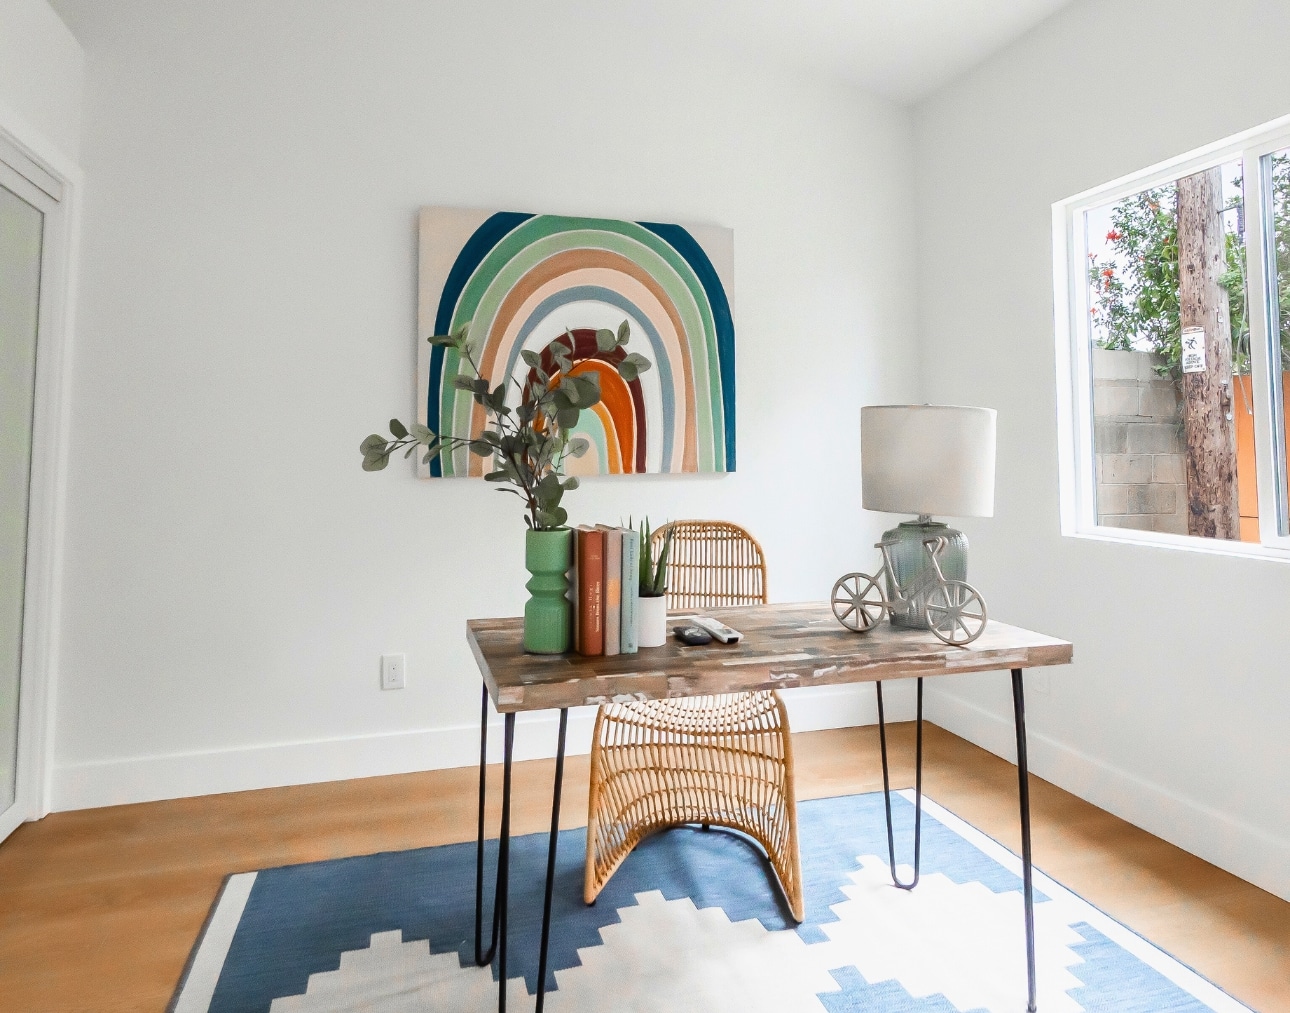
[[604, 588]]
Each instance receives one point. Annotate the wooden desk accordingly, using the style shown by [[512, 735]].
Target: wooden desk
[[784, 646]]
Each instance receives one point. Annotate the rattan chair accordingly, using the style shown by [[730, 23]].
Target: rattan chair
[[716, 760]]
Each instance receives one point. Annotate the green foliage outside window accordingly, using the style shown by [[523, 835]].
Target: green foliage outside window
[[1135, 289]]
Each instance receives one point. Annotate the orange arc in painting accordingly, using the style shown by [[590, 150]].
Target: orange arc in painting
[[617, 402], [613, 452]]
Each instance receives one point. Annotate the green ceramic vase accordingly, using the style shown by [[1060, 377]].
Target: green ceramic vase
[[548, 614]]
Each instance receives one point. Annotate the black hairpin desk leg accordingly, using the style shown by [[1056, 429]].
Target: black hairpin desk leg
[[483, 958], [501, 899], [550, 859], [1027, 876], [918, 790]]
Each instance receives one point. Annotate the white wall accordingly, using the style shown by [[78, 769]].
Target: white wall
[[42, 70], [1174, 714], [248, 316]]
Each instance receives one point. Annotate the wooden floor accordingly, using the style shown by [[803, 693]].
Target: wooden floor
[[98, 909]]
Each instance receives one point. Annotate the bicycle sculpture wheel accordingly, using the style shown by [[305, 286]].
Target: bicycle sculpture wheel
[[858, 602], [956, 612]]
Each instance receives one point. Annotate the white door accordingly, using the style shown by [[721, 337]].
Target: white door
[[23, 215]]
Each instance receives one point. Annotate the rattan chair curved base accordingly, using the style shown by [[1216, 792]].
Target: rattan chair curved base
[[718, 760]]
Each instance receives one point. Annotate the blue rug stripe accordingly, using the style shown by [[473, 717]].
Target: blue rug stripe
[[1114, 980], [859, 996]]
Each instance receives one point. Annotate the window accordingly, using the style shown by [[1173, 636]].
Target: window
[[1173, 346]]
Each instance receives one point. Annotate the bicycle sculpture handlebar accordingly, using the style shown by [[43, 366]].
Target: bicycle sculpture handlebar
[[955, 610]]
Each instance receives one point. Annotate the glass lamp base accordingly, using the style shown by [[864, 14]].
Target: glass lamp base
[[913, 571]]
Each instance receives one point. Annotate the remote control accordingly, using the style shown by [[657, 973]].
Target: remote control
[[718, 629], [695, 636]]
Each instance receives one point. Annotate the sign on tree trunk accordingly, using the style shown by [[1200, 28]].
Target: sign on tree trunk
[[1206, 391]]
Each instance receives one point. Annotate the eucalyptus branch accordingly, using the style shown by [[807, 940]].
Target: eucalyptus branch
[[530, 444]]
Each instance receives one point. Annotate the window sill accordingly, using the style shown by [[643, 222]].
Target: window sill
[[1186, 543]]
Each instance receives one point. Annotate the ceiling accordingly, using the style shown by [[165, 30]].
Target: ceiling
[[900, 49]]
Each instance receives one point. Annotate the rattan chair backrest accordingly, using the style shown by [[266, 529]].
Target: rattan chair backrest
[[711, 564]]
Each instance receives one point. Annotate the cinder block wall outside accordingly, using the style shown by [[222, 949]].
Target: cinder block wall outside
[[1137, 438]]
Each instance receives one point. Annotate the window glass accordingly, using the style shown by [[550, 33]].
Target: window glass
[[1173, 419], [1277, 172]]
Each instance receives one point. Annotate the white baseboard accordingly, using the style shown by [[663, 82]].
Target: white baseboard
[[1219, 838], [183, 775]]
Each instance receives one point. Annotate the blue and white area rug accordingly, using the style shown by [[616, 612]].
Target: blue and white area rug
[[690, 922]]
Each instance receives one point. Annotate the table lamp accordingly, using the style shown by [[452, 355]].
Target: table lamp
[[926, 460]]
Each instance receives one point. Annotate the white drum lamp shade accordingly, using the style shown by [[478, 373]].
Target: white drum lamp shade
[[930, 460]]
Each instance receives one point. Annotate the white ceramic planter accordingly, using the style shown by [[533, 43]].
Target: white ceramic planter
[[651, 622]]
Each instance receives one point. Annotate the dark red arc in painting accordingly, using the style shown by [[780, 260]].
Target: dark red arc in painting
[[585, 347]]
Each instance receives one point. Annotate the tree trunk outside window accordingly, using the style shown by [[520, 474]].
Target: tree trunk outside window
[[1210, 433]]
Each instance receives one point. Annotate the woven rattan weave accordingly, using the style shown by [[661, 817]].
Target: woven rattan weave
[[717, 760]]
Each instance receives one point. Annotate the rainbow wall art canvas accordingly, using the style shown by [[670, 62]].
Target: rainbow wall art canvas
[[521, 280]]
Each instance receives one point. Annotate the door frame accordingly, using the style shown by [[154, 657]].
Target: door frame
[[32, 157]]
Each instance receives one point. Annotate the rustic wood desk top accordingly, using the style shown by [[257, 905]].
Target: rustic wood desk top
[[784, 646]]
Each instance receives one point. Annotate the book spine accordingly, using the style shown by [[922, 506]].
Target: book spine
[[631, 591], [591, 587], [573, 590], [613, 589]]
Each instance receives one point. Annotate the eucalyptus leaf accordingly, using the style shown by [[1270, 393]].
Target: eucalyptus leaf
[[567, 418], [372, 442], [570, 483], [605, 340], [399, 430], [531, 358], [463, 382], [481, 448], [578, 446], [375, 461], [624, 333], [627, 370], [422, 434]]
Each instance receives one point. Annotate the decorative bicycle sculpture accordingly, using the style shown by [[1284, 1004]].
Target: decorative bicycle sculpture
[[955, 609]]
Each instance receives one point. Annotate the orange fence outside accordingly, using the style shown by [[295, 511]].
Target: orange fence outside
[[1246, 468]]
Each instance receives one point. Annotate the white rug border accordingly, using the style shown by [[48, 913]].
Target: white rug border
[[1148, 952], [198, 988]]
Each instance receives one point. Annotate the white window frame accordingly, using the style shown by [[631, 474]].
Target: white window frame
[[1076, 460]]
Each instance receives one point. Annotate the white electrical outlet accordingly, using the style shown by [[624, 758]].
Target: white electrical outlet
[[393, 671]]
